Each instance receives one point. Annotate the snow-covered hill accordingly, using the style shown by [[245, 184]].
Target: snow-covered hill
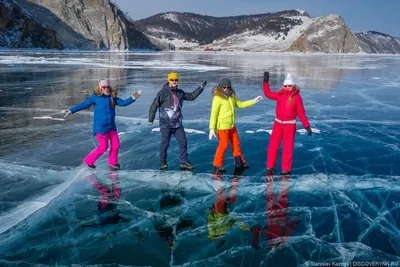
[[378, 43], [291, 30]]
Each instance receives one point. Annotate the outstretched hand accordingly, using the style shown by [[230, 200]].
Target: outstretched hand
[[203, 84], [136, 94], [67, 112], [266, 76], [309, 131], [212, 134], [257, 99]]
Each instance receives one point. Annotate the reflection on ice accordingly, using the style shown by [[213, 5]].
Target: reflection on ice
[[168, 215]]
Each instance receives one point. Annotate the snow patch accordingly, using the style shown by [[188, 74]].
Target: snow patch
[[48, 118], [262, 130], [304, 131], [315, 149], [186, 130]]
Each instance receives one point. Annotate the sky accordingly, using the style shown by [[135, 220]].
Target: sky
[[359, 15]]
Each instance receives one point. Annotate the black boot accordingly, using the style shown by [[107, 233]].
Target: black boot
[[187, 166], [115, 167], [90, 167], [285, 172], [270, 171], [163, 165], [219, 169], [245, 165]]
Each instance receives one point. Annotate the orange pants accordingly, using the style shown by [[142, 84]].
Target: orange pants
[[224, 136]]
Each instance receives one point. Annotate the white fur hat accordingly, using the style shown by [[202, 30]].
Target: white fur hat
[[288, 80]]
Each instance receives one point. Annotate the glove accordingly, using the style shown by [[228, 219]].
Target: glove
[[150, 123], [136, 94], [266, 76], [67, 112], [257, 99], [212, 134], [203, 84], [308, 129]]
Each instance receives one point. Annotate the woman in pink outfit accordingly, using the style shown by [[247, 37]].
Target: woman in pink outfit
[[104, 99], [289, 105]]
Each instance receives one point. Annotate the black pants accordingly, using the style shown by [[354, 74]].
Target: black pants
[[180, 137]]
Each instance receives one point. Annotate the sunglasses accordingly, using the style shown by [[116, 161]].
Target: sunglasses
[[288, 86], [226, 87], [105, 87], [173, 80]]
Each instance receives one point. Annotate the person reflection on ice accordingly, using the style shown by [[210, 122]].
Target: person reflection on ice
[[107, 207], [278, 224], [172, 217], [219, 220]]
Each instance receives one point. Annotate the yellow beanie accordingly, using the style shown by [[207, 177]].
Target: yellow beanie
[[173, 76]]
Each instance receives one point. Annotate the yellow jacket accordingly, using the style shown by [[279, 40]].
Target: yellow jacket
[[223, 110]]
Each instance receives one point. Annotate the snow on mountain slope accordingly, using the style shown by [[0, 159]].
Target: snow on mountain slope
[[250, 40]]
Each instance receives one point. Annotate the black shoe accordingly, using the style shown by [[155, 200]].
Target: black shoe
[[90, 167], [163, 165], [186, 166], [219, 169], [245, 165], [115, 167], [270, 171], [285, 172]]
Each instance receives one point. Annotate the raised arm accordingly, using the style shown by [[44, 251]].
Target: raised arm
[[124, 102], [244, 104], [267, 90], [84, 105], [130, 100], [193, 95], [154, 106]]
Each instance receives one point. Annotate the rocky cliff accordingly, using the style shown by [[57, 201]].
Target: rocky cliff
[[88, 24], [378, 43], [18, 29], [327, 34]]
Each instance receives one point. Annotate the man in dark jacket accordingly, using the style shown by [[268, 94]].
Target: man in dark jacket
[[169, 102]]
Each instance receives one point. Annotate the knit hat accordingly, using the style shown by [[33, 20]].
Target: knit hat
[[224, 82], [288, 80], [104, 82], [173, 76]]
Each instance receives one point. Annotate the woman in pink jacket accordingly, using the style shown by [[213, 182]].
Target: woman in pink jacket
[[289, 105]]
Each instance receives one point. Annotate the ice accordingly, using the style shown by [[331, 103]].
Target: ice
[[341, 203]]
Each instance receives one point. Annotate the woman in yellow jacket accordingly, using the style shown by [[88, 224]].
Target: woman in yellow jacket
[[222, 123]]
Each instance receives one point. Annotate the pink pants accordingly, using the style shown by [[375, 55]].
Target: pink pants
[[279, 131], [103, 146]]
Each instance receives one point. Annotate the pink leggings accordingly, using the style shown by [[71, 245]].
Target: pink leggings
[[103, 146]]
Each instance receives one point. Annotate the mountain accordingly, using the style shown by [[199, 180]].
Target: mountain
[[100, 24], [87, 24], [290, 30], [327, 34], [19, 29], [378, 43], [269, 31]]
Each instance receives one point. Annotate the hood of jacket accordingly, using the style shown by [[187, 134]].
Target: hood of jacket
[[293, 92], [218, 92], [166, 86]]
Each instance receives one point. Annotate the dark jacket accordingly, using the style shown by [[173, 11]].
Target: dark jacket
[[104, 112], [169, 102]]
